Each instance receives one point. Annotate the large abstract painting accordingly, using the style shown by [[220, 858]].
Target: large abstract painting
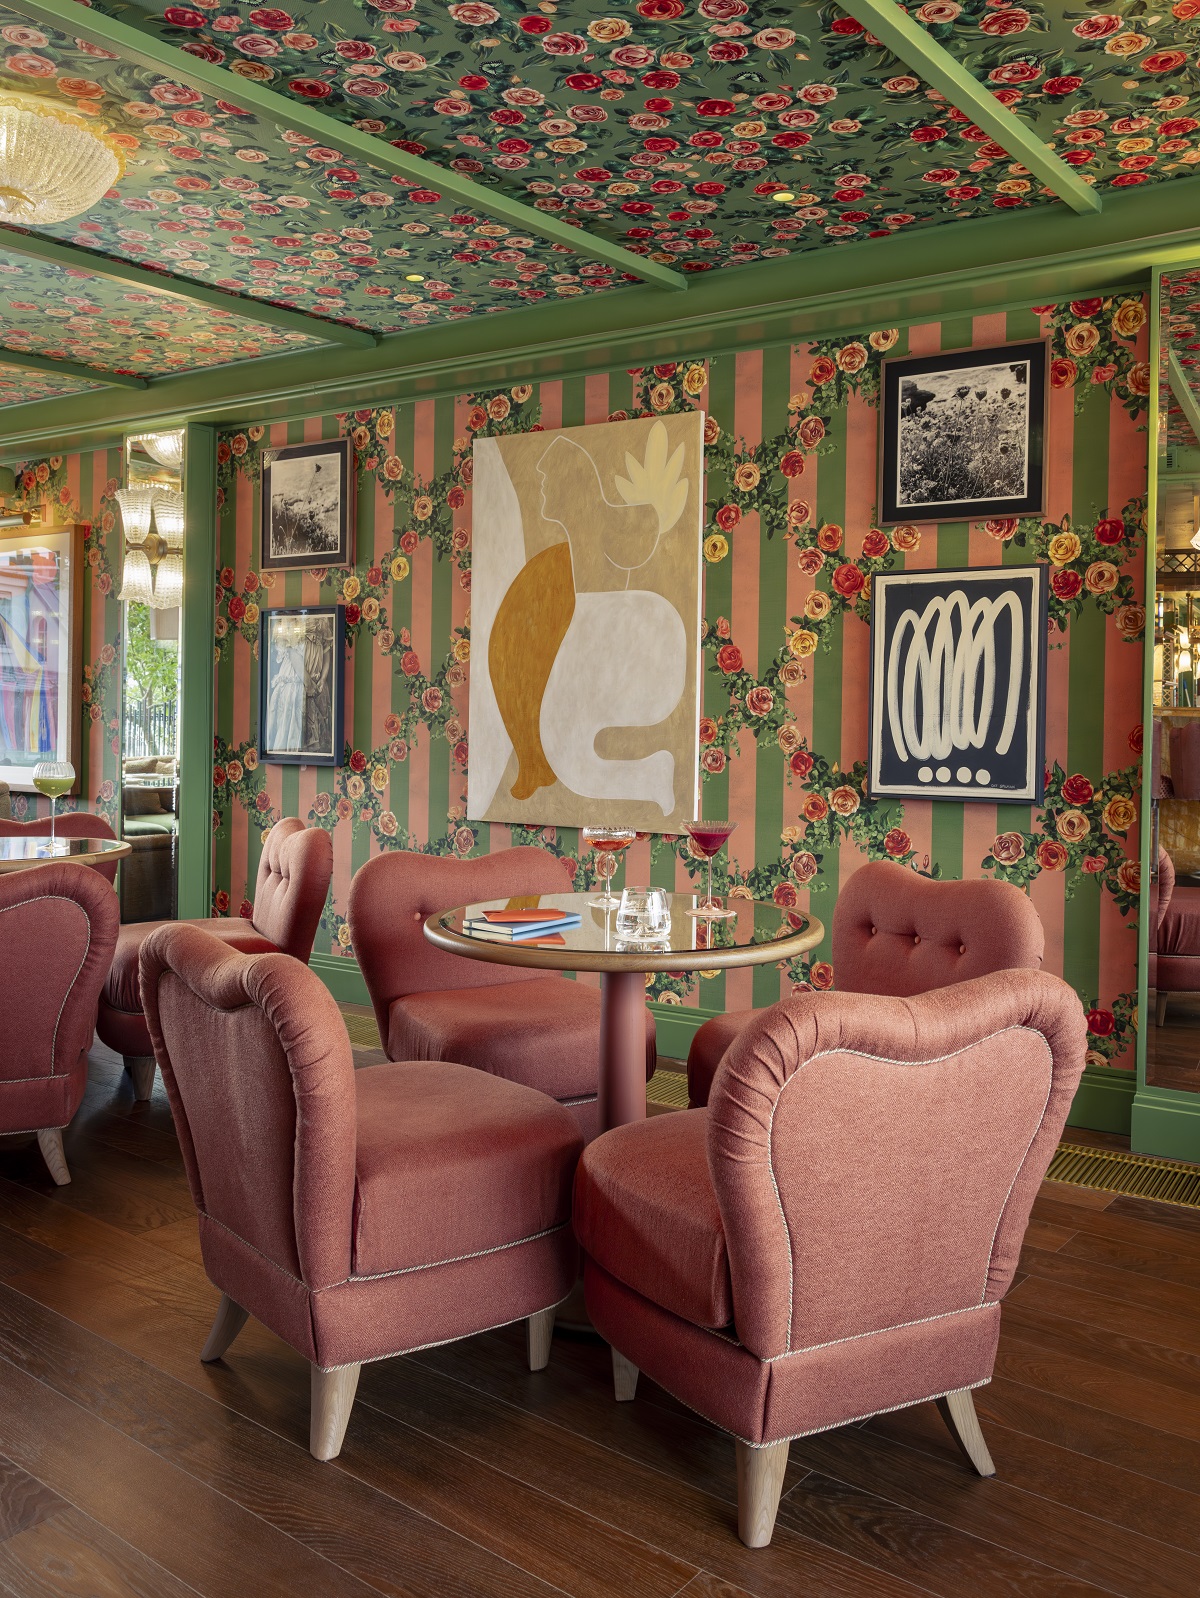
[[585, 625], [958, 684]]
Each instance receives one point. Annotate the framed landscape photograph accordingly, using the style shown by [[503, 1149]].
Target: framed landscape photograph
[[958, 684], [41, 643], [962, 436], [302, 665], [308, 505]]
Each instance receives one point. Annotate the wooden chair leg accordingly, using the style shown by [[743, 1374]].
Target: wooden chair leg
[[625, 1377], [539, 1332], [331, 1401], [760, 1473], [958, 1411], [50, 1143], [230, 1319], [141, 1070], [1160, 1009]]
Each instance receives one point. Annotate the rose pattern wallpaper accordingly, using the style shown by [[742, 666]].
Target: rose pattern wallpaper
[[791, 548], [70, 315], [19, 385], [666, 125]]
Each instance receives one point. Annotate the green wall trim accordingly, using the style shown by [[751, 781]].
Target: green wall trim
[[1000, 263], [73, 258], [917, 48], [340, 974], [179, 66], [1103, 1101], [1166, 1123], [197, 625]]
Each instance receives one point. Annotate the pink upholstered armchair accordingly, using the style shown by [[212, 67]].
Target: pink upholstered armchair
[[361, 1214], [534, 1027], [71, 824], [293, 882], [58, 928], [832, 1237], [1175, 937], [898, 933]]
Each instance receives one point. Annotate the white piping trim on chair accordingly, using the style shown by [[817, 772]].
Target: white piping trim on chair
[[61, 898]]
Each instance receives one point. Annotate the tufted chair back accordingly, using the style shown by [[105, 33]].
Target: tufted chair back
[[294, 873], [898, 933]]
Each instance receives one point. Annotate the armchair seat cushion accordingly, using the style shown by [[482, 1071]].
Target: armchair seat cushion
[[452, 1163], [1176, 973], [1179, 930], [121, 990], [543, 1033], [646, 1212]]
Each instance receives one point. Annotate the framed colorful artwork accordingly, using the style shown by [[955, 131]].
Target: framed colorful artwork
[[308, 505], [41, 650], [958, 684], [585, 625], [302, 682], [962, 436]]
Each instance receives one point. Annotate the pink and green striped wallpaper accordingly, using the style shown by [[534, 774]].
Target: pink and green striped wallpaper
[[791, 549]]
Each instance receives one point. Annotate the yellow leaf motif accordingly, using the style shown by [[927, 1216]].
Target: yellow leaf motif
[[656, 481]]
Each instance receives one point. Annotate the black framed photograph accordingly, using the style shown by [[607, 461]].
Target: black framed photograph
[[958, 684], [962, 436], [308, 505], [302, 665]]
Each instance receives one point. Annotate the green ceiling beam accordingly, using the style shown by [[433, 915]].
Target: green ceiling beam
[[33, 247], [917, 49], [1034, 256], [146, 50], [47, 363], [1182, 390]]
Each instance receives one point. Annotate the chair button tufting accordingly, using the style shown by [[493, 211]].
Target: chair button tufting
[[916, 937], [962, 948], [874, 930], [416, 915]]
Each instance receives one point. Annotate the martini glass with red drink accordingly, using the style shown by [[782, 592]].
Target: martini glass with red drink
[[608, 842], [708, 839]]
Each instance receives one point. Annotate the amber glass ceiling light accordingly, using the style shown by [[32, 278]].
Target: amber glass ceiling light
[[52, 164]]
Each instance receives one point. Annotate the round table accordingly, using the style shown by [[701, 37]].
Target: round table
[[757, 934], [18, 854]]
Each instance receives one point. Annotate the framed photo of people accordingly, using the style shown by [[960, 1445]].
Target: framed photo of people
[[962, 435], [308, 505], [302, 665], [958, 684]]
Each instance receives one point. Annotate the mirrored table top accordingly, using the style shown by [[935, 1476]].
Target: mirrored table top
[[36, 849], [758, 933]]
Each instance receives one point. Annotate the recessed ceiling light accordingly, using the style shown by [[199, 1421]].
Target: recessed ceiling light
[[414, 277], [784, 194]]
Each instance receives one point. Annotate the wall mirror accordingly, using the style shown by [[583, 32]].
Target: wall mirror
[[152, 520]]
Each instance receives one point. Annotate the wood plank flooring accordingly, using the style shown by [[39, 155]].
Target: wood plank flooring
[[128, 1468]]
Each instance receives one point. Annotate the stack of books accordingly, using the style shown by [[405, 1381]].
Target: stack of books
[[537, 926]]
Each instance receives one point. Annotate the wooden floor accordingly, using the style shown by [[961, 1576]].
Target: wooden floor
[[128, 1468]]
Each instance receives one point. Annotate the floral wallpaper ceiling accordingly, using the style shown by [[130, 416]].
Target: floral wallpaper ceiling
[[666, 125], [1180, 309], [19, 386], [59, 312]]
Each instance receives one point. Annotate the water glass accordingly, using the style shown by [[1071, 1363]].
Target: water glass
[[644, 915]]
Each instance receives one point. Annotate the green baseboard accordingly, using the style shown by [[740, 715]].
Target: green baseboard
[[1104, 1100], [341, 976], [1166, 1123], [1103, 1103]]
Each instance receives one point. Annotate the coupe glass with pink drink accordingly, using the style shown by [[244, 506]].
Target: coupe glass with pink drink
[[608, 842], [708, 839]]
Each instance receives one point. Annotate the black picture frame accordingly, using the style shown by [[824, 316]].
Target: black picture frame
[[302, 685], [951, 423], [917, 632], [308, 505]]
